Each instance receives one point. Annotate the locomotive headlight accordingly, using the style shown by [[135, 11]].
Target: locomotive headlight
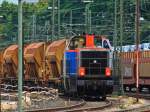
[[107, 71], [95, 61], [81, 71]]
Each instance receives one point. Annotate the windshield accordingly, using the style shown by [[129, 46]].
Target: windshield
[[98, 42], [80, 42]]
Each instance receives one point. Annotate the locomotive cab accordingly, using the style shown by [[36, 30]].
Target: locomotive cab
[[87, 66]]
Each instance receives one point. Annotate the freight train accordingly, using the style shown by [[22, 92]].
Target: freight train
[[128, 60], [81, 64], [87, 66]]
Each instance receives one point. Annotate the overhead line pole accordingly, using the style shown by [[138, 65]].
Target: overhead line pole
[[115, 26], [46, 27], [87, 18], [58, 18], [34, 27], [137, 41], [90, 21], [20, 55], [71, 20], [87, 15], [53, 19], [121, 39], [115, 63], [86, 21]]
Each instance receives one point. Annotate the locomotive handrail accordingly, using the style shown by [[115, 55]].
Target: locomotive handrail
[[69, 40]]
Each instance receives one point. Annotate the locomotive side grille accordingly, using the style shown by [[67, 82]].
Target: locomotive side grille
[[94, 62]]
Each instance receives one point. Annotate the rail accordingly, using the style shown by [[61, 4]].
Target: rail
[[78, 104], [92, 108]]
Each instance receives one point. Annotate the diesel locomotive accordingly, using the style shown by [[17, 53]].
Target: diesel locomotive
[[87, 66]]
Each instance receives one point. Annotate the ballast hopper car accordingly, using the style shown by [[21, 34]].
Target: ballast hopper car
[[10, 63], [54, 56], [34, 56]]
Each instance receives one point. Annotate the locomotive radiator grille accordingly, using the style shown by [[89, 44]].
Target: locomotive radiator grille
[[94, 62]]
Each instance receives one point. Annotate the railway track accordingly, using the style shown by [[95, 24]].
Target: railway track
[[81, 106], [140, 95], [92, 106], [71, 105], [78, 103], [145, 108]]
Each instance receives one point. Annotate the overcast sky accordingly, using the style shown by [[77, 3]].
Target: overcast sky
[[16, 1]]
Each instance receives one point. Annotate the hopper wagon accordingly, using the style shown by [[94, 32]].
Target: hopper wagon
[[54, 56], [34, 56], [10, 63]]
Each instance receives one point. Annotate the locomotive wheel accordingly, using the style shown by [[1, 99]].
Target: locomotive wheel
[[66, 89]]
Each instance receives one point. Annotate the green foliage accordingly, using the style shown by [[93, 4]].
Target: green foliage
[[102, 15]]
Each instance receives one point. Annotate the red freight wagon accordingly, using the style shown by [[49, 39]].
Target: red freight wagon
[[128, 60]]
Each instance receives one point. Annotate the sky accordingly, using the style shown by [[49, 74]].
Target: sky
[[16, 1]]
